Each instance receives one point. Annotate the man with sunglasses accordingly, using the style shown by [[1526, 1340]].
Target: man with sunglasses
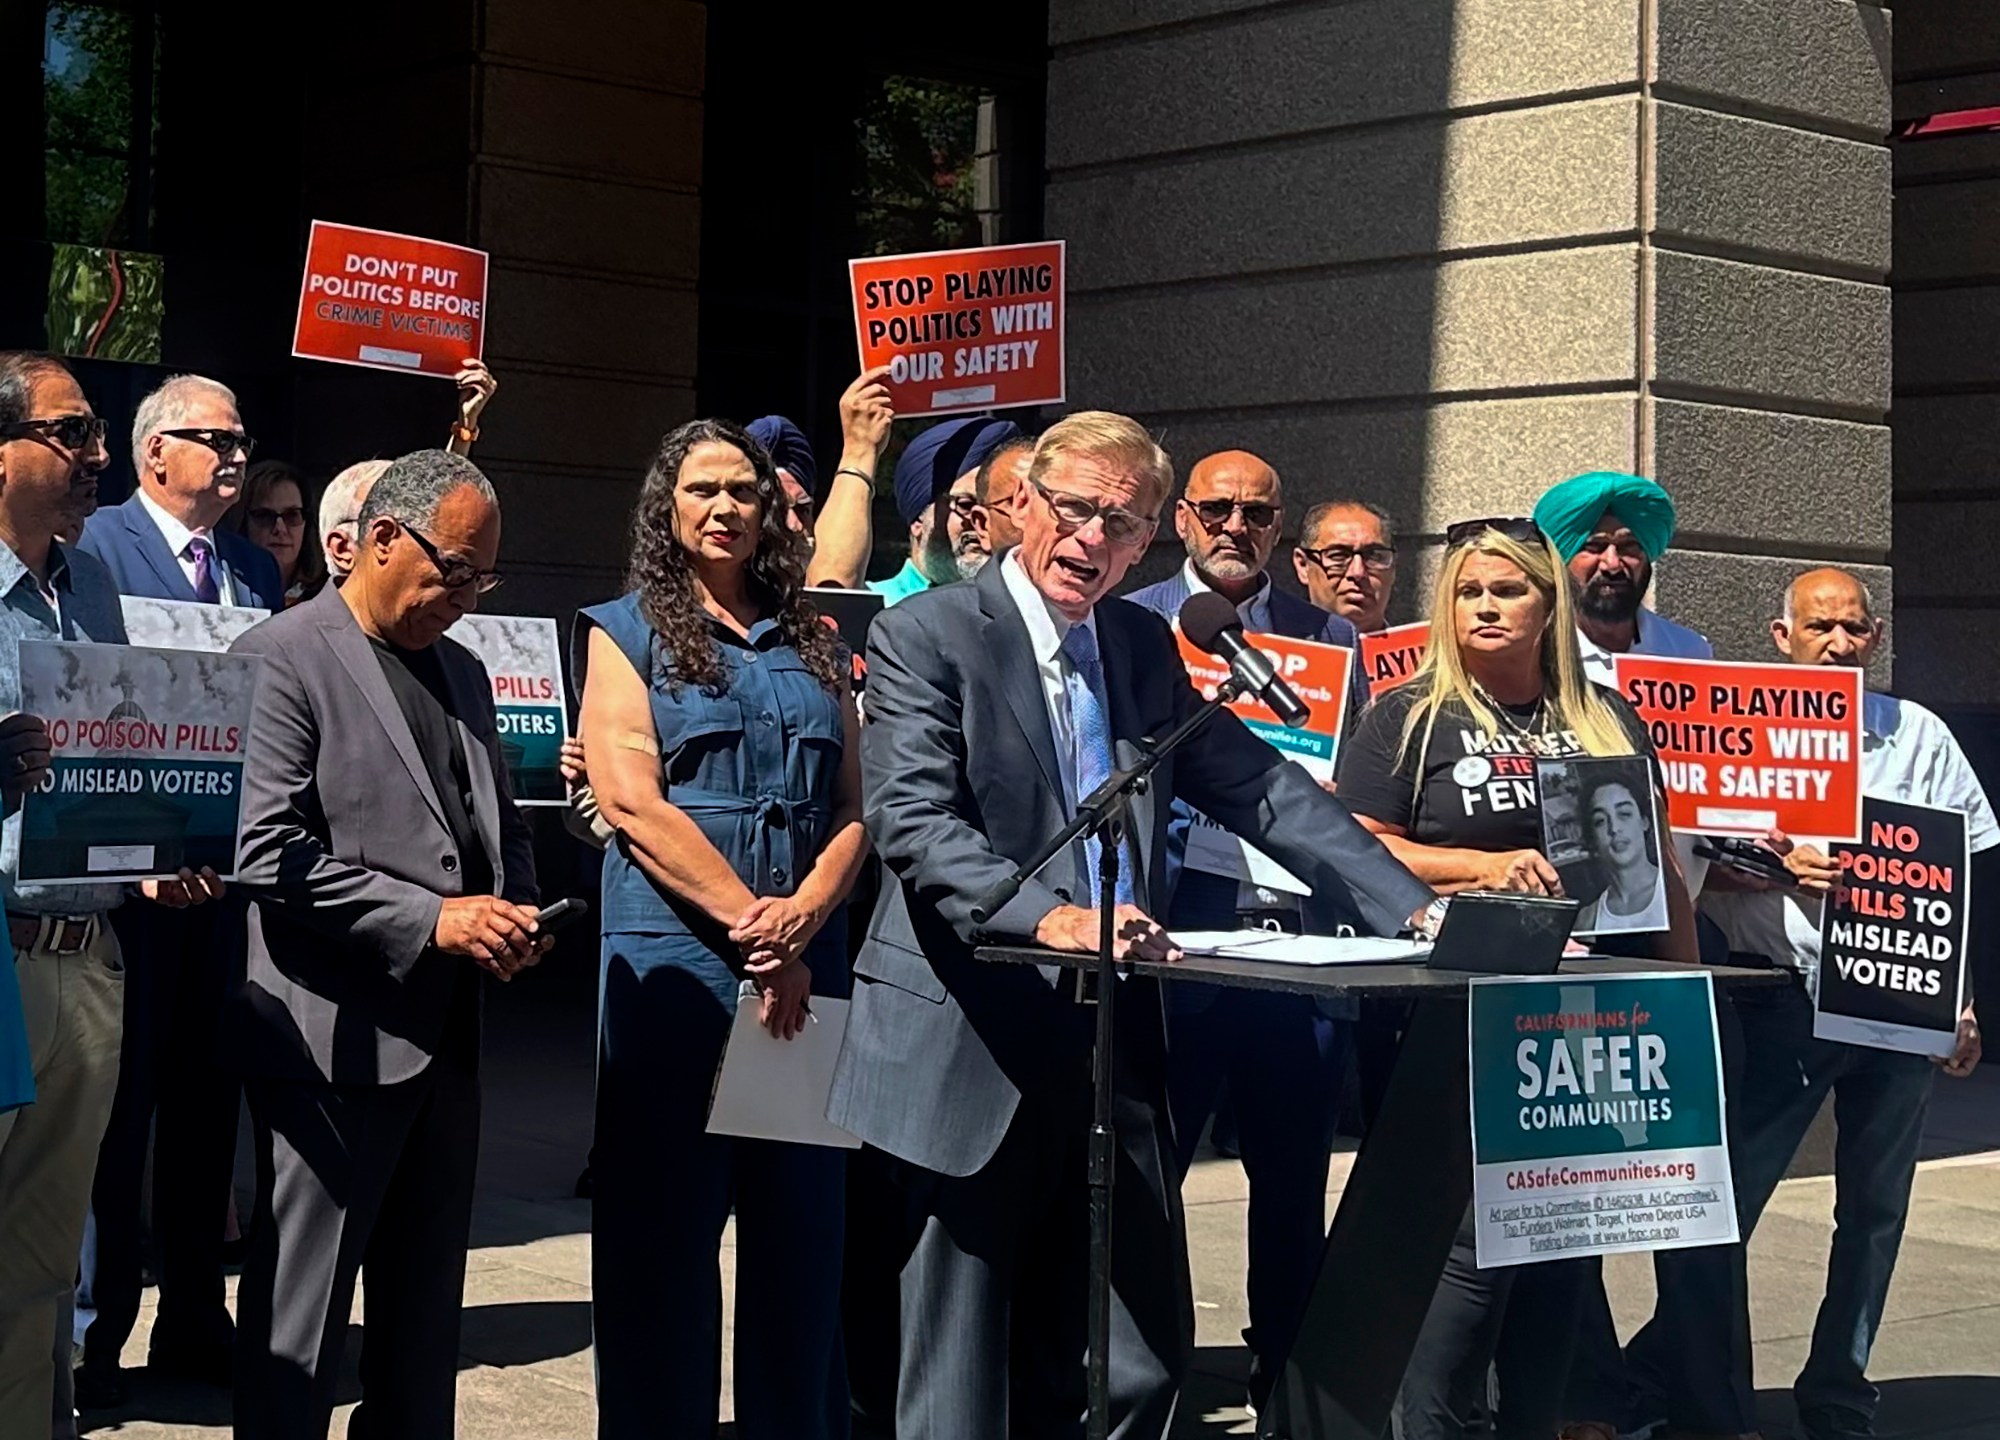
[[1277, 1057], [66, 958], [993, 707], [164, 543], [386, 866]]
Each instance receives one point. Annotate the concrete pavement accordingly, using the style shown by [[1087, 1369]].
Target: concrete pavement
[[526, 1371]]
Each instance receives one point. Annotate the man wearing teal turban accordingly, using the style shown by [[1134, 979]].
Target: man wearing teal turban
[[1610, 527]]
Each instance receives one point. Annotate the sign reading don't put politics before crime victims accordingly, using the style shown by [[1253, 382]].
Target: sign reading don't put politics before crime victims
[[1751, 748], [390, 302], [963, 330], [523, 659], [149, 747]]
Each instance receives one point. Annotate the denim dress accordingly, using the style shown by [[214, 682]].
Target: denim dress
[[756, 768]]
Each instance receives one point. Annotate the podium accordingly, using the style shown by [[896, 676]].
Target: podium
[[1406, 1195]]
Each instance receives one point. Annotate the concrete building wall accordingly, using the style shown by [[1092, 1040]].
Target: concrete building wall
[[1947, 453], [1440, 255]]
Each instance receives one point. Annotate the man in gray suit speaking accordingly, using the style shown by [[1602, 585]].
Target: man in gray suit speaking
[[993, 705], [386, 865]]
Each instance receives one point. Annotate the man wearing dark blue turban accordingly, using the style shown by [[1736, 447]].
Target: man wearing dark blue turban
[[798, 472], [937, 484]]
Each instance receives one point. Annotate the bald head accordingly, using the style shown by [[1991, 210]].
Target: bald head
[[1829, 619], [1229, 517]]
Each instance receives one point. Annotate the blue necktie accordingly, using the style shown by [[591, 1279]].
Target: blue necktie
[[1090, 734]]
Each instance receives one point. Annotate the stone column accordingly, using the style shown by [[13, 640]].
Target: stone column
[[1441, 255]]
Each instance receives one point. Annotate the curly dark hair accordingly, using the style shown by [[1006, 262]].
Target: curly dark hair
[[660, 571]]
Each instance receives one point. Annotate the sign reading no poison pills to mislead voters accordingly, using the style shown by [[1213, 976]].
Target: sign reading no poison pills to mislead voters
[[523, 659], [149, 751]]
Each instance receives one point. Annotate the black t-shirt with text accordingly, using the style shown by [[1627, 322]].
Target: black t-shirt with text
[[1466, 790]]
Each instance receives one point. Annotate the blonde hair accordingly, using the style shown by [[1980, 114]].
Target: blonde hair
[[1115, 440], [1570, 701]]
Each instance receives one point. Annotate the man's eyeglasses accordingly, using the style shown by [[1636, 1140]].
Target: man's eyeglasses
[[456, 573], [964, 506], [1073, 512], [1514, 527], [72, 432], [1334, 559], [224, 443], [1256, 514], [291, 517]]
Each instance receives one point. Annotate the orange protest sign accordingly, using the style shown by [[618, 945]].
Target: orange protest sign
[[1750, 748], [963, 330], [1392, 656], [390, 302], [1318, 673]]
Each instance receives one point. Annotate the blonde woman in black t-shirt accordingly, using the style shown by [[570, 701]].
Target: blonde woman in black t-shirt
[[1442, 768]]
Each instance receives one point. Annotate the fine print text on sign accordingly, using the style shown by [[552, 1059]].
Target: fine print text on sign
[[390, 302], [1752, 748], [1597, 1117], [1391, 657], [963, 330], [523, 659], [149, 750], [1892, 945], [1319, 674]]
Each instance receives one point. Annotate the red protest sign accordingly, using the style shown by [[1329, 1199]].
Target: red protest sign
[[1751, 748], [963, 330], [1317, 674], [390, 302], [1392, 656]]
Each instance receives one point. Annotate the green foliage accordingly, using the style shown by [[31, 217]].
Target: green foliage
[[917, 140], [88, 98]]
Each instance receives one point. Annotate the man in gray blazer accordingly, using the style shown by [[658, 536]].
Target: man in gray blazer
[[992, 706], [386, 864]]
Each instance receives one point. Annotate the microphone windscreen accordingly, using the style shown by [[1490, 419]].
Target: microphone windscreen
[[1205, 616]]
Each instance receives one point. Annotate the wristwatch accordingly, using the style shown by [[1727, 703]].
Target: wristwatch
[[462, 435], [1433, 918]]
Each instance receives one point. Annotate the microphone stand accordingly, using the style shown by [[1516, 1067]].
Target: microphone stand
[[1101, 815]]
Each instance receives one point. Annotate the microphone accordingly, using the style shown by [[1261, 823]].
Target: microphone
[[1210, 624]]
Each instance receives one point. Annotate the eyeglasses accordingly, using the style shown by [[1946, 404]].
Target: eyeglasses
[[72, 432], [1514, 527], [964, 506], [1073, 512], [1334, 559], [456, 573], [224, 443], [291, 517], [1256, 514]]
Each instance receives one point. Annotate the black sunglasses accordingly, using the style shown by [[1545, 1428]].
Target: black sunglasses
[[224, 443], [72, 432], [1334, 559], [1514, 527], [456, 574], [1256, 514]]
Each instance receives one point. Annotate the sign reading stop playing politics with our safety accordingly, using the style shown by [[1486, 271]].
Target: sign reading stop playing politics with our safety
[[964, 330], [390, 302], [1750, 748]]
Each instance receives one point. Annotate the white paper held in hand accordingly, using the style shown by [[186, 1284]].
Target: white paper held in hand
[[772, 1089]]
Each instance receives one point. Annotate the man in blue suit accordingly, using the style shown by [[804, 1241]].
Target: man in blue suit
[[190, 451], [1279, 1056]]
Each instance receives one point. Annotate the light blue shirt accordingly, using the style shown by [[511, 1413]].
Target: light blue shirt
[[85, 607], [902, 585]]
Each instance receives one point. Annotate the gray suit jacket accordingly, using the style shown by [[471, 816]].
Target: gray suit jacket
[[347, 857], [960, 773]]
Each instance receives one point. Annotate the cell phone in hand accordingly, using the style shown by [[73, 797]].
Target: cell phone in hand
[[551, 918]]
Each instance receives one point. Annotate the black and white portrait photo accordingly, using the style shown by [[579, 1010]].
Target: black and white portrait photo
[[1601, 830]]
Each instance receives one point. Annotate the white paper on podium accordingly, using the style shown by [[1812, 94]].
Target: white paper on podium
[[772, 1089], [1302, 949]]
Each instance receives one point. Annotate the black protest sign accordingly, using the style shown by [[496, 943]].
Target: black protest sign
[[850, 612], [1892, 945]]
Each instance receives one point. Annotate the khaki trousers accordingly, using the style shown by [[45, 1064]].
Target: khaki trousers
[[74, 1006]]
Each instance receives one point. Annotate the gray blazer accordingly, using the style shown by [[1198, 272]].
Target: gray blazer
[[960, 773], [347, 858]]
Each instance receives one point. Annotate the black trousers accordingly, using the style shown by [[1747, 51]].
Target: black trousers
[[353, 1177], [178, 965]]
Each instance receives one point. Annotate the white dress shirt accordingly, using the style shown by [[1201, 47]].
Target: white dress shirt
[[1047, 627], [180, 541], [1907, 754], [1255, 613]]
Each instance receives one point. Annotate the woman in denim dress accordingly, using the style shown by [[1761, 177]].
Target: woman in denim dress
[[723, 750]]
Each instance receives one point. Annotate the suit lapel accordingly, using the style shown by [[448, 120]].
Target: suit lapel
[[153, 549], [357, 656], [1005, 639]]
